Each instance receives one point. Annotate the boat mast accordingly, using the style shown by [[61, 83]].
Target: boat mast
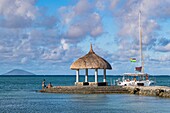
[[140, 43]]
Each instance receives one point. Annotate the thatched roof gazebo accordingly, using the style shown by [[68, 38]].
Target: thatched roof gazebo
[[90, 61]]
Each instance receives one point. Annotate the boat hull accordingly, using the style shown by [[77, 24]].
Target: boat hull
[[135, 83]]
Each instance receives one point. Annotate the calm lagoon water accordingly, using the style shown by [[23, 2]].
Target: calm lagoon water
[[19, 95]]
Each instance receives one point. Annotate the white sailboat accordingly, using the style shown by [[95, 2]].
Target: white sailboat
[[136, 79]]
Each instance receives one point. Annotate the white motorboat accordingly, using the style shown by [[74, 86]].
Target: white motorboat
[[135, 79]]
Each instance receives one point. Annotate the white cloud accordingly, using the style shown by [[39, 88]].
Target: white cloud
[[100, 4], [80, 21], [25, 8], [67, 14], [97, 31], [65, 45], [82, 7], [91, 25], [24, 60], [113, 4], [76, 31], [61, 54], [54, 54], [17, 13], [165, 48]]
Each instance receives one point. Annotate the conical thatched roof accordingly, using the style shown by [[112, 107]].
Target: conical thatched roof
[[91, 61]]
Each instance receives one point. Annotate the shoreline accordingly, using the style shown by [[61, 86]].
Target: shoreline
[[157, 91]]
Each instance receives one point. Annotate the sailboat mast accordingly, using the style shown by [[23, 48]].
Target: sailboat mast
[[140, 43]]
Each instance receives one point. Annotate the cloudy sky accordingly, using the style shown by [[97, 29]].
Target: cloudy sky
[[46, 36]]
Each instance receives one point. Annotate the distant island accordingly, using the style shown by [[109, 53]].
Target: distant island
[[18, 72]]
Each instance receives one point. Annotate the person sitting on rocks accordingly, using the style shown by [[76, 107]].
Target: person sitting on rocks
[[49, 85]]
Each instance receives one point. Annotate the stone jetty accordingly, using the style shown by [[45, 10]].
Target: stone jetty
[[86, 90], [159, 91]]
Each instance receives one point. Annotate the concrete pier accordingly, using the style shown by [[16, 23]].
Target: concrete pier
[[159, 91], [86, 89]]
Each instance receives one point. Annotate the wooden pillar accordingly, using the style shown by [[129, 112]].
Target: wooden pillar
[[77, 75], [96, 75], [86, 76], [104, 75]]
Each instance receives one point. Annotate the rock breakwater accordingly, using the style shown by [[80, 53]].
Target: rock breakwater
[[160, 91]]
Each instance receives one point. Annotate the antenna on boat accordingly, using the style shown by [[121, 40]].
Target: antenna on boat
[[140, 37]]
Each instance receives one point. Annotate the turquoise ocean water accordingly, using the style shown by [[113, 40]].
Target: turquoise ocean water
[[19, 95]]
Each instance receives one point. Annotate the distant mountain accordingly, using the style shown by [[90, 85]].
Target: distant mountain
[[18, 72]]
